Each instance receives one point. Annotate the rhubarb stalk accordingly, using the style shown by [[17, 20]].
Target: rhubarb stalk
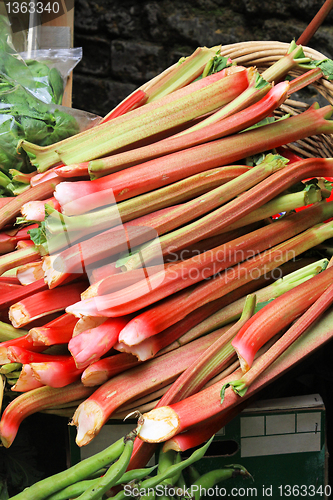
[[163, 423]]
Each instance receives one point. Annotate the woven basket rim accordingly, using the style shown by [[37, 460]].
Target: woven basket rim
[[261, 54]]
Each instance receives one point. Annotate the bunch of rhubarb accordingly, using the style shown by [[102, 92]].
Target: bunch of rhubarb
[[148, 250]]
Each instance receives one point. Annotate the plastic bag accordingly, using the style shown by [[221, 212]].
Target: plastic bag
[[23, 116], [51, 68]]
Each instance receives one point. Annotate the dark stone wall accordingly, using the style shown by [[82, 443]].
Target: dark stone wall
[[127, 42]]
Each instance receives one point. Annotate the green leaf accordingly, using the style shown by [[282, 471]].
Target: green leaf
[[326, 65], [38, 235]]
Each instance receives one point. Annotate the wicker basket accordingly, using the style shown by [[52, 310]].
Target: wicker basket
[[262, 55]]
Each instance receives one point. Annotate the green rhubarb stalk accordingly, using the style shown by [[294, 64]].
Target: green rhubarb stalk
[[295, 57], [18, 258], [232, 312], [262, 84], [40, 192], [180, 74], [130, 209], [175, 109], [212, 361], [8, 332]]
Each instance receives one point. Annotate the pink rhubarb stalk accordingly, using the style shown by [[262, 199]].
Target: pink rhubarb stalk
[[92, 344], [44, 303], [102, 370], [57, 331]]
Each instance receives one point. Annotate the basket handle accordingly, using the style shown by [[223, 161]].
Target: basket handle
[[315, 23]]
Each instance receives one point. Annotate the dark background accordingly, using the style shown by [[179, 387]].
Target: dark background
[[127, 42]]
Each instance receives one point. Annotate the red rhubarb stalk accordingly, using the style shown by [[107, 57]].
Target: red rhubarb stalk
[[44, 303], [57, 331], [172, 309], [56, 373], [171, 168], [22, 355], [102, 370], [21, 293], [163, 423], [175, 278], [148, 348], [277, 315], [92, 344], [133, 101], [23, 341], [91, 415]]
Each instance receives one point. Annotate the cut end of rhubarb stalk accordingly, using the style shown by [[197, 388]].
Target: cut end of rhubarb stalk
[[88, 419], [245, 358], [159, 425], [18, 316], [51, 275], [87, 323]]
